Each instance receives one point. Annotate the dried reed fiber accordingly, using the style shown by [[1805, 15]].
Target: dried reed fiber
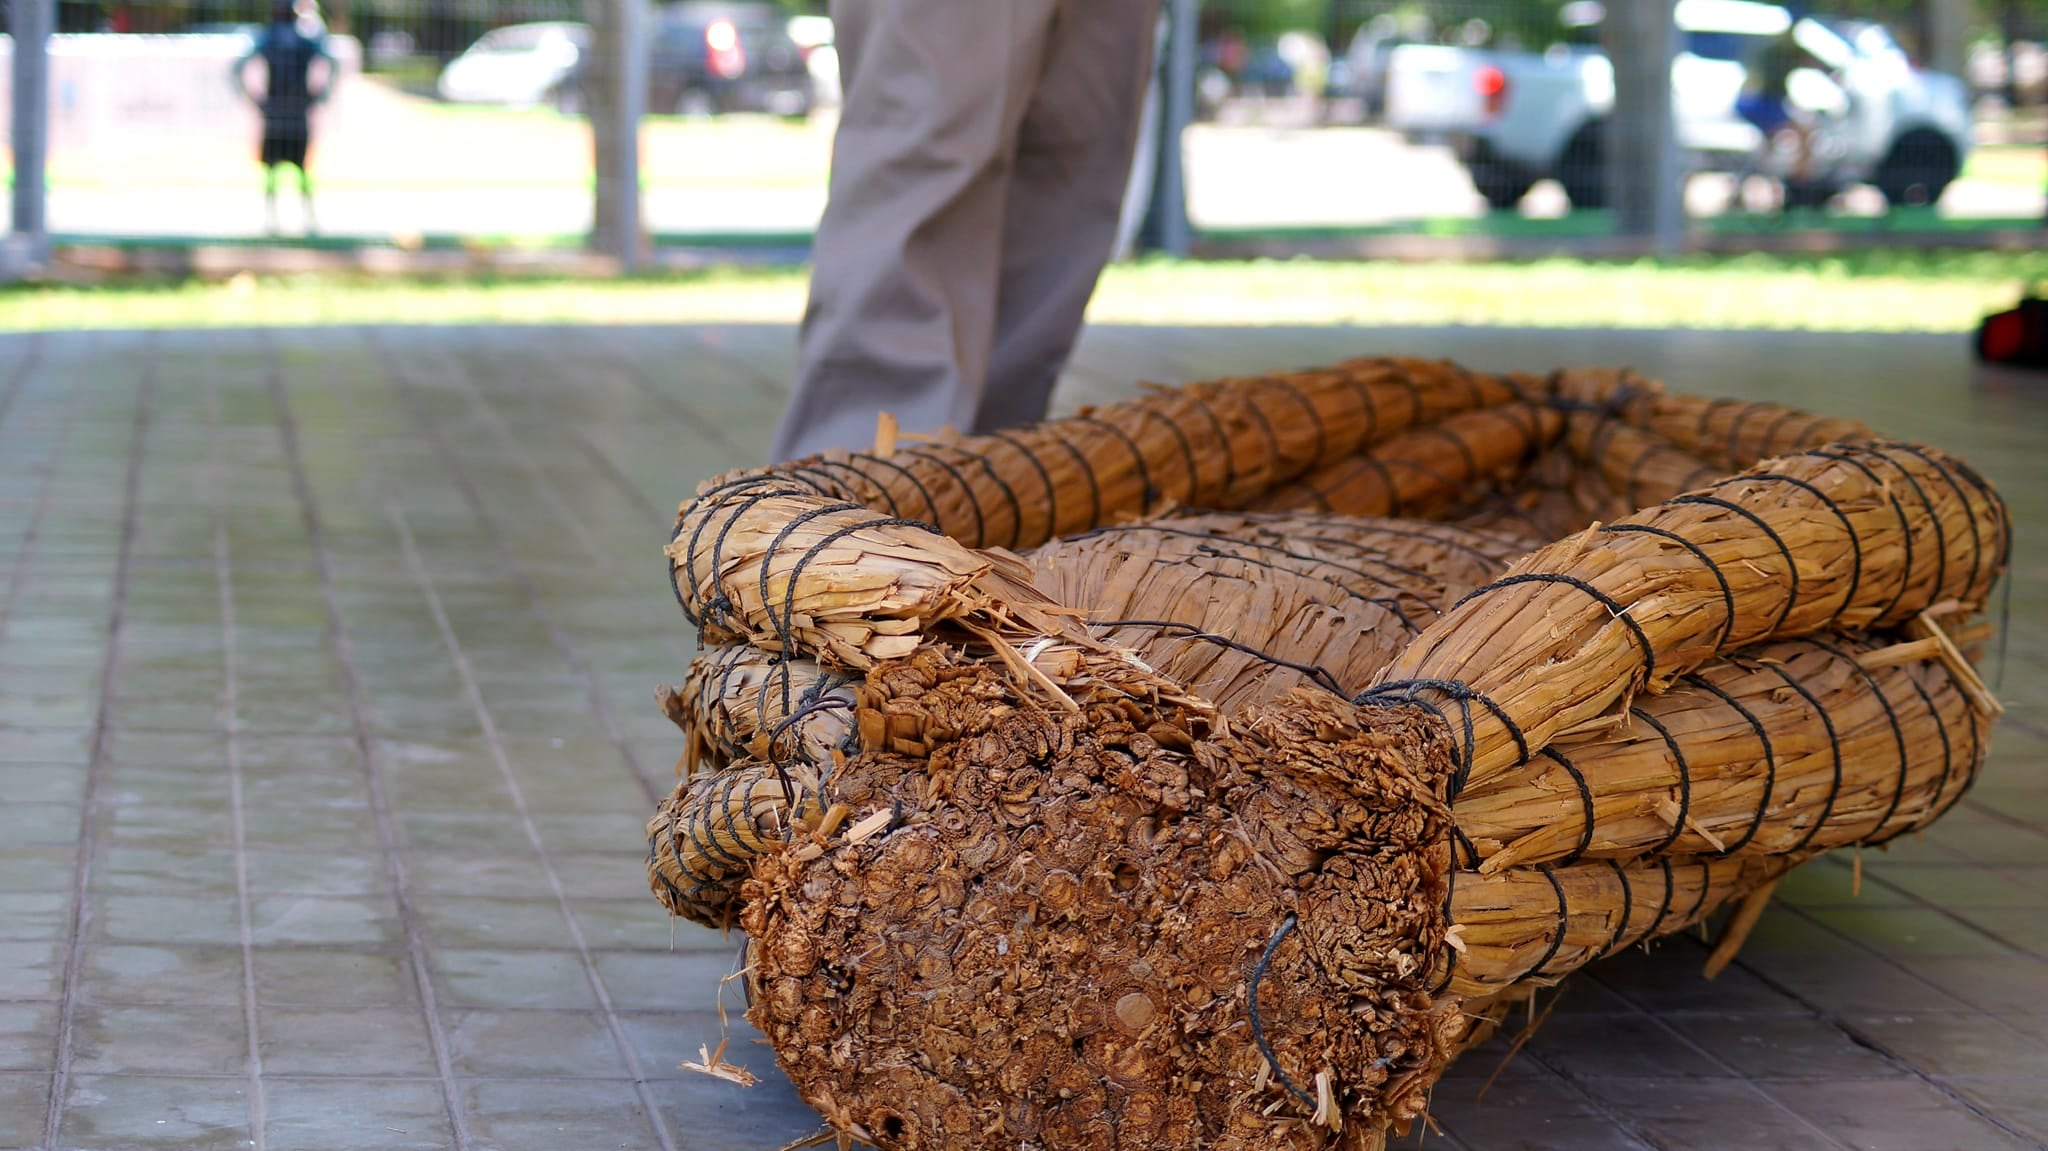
[[1241, 608], [765, 562], [1554, 497], [1426, 471], [1108, 854], [1215, 445], [1092, 927], [1538, 924], [1732, 433], [741, 701], [1640, 467], [1848, 538], [1779, 749], [703, 837]]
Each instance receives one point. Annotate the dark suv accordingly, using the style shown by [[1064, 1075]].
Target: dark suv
[[709, 58]]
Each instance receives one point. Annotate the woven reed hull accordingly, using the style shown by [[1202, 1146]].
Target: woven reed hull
[[1091, 848]]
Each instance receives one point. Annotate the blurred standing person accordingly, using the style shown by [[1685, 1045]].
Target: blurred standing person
[[288, 46], [978, 173]]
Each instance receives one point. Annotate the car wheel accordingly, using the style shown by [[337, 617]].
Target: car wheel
[[1583, 167], [1502, 184], [696, 103], [1918, 169]]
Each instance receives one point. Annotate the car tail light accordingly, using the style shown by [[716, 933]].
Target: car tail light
[[727, 59], [1493, 87]]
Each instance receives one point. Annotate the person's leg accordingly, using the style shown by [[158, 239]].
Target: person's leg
[[903, 291], [1066, 196], [306, 195], [270, 196]]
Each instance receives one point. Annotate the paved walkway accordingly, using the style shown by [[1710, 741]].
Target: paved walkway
[[327, 736]]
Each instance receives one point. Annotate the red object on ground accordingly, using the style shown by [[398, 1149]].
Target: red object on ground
[[2019, 336]]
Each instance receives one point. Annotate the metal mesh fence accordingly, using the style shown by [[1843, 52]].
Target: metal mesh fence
[[466, 121]]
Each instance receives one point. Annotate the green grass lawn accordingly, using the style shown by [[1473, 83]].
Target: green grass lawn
[[1863, 291], [2022, 165]]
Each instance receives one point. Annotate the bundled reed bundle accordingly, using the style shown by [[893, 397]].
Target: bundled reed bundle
[[1233, 827]]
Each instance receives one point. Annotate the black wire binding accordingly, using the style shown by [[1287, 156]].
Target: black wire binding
[[1450, 895], [1763, 737], [1834, 745], [1193, 395], [1585, 802], [784, 631], [1891, 716], [1976, 537], [1415, 402], [1368, 406], [786, 627], [1319, 676], [1469, 461], [1564, 912], [1684, 780], [1258, 415], [1706, 881], [715, 607], [1926, 504], [1187, 449], [690, 553], [1087, 470], [924, 493], [921, 452], [1405, 691], [1770, 439], [1791, 566], [1052, 493], [1394, 528], [1009, 497], [1898, 509], [1848, 527], [1219, 548], [1663, 905], [1947, 765], [816, 472], [1614, 609], [1727, 593], [1736, 455], [1147, 493], [1259, 1027], [1308, 407]]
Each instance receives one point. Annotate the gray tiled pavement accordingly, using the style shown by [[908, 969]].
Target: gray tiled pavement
[[326, 738]]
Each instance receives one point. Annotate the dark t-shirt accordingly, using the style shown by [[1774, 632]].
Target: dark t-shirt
[[288, 54]]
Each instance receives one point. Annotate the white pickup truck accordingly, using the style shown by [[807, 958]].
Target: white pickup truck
[[1524, 116]]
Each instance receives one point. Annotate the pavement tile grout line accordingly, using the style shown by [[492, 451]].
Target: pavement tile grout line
[[381, 818], [507, 558], [596, 981], [1861, 1039], [223, 556], [81, 876], [487, 721]]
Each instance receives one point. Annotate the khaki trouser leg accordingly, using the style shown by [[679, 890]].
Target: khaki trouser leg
[[1067, 186], [903, 302]]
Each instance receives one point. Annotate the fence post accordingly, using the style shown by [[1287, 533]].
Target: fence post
[[30, 22], [1170, 194], [619, 97], [1643, 177]]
